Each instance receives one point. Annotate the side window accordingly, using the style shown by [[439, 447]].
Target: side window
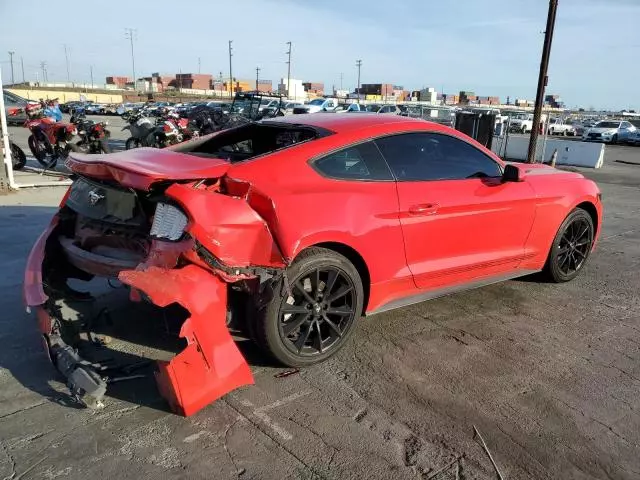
[[359, 162], [432, 156]]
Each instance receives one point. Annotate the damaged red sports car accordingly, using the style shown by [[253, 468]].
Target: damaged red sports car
[[297, 227]]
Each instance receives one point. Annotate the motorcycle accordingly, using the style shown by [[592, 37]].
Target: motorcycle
[[18, 158], [50, 138], [94, 136], [143, 130]]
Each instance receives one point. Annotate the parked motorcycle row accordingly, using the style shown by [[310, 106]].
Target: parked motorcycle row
[[51, 139]]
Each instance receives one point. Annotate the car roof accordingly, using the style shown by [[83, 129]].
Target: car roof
[[342, 123]]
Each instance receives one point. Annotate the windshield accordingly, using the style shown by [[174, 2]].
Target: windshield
[[522, 116], [372, 108], [608, 125], [317, 101]]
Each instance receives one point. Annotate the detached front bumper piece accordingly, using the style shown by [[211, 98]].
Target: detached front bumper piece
[[209, 367]]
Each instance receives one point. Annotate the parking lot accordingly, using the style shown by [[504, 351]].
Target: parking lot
[[548, 374]]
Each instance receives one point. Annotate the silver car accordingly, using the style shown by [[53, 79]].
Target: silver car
[[15, 107], [609, 131]]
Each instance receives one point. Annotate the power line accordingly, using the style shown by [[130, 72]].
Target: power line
[[11, 60], [130, 33], [359, 65], [288, 68]]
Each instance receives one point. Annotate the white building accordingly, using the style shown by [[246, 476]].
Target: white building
[[296, 92]]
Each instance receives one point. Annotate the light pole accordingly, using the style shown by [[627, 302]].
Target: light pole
[[66, 59], [91, 73], [230, 71], [358, 64], [543, 79], [198, 65], [11, 59], [288, 69], [22, 64], [43, 66], [257, 77], [129, 33]]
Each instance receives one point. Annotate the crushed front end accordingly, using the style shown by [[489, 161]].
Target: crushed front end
[[186, 242]]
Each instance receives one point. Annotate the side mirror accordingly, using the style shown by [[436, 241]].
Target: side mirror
[[511, 174]]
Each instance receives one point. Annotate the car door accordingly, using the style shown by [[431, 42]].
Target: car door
[[460, 221]]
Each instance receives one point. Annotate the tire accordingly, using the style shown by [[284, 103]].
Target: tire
[[562, 254], [131, 143], [614, 139], [524, 130], [38, 150], [269, 327], [18, 158]]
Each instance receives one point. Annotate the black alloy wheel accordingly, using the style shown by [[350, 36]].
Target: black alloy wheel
[[571, 247], [320, 309], [311, 319]]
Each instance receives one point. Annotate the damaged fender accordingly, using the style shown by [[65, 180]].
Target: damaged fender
[[211, 365]]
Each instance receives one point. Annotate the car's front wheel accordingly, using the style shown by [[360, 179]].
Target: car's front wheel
[[571, 247], [311, 319]]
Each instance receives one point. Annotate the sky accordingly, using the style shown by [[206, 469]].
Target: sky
[[491, 47]]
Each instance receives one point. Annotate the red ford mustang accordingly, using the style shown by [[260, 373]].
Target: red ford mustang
[[302, 225]]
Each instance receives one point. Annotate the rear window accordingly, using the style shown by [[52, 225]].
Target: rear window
[[251, 140]]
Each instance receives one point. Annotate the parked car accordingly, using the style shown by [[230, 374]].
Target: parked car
[[556, 126], [220, 225], [609, 131], [634, 138], [94, 109], [16, 107], [317, 105], [357, 108]]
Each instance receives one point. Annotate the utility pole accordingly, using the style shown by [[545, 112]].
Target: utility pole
[[341, 76], [22, 64], [91, 72], [230, 71], [66, 58], [359, 65], [257, 78], [543, 79], [198, 65], [288, 69], [11, 59], [43, 66], [129, 33]]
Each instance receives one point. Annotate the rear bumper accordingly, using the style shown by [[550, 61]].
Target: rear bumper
[[209, 367]]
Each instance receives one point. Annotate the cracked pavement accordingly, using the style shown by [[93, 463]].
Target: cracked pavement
[[549, 374]]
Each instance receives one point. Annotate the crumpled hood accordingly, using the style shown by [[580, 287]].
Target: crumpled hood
[[141, 167]]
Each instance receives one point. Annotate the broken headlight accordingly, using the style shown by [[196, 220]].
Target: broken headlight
[[168, 223]]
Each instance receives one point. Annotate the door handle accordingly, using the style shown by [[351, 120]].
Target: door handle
[[424, 209]]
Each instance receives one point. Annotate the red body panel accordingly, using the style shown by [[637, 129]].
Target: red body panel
[[141, 167], [458, 230], [211, 365]]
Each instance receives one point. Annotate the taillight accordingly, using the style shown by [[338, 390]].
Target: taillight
[[169, 223]]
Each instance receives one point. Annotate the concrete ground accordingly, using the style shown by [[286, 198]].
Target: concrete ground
[[548, 374]]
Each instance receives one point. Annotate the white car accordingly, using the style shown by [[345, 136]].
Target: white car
[[317, 105], [557, 126], [609, 131]]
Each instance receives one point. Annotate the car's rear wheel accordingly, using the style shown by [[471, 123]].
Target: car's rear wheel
[[314, 317], [571, 247]]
